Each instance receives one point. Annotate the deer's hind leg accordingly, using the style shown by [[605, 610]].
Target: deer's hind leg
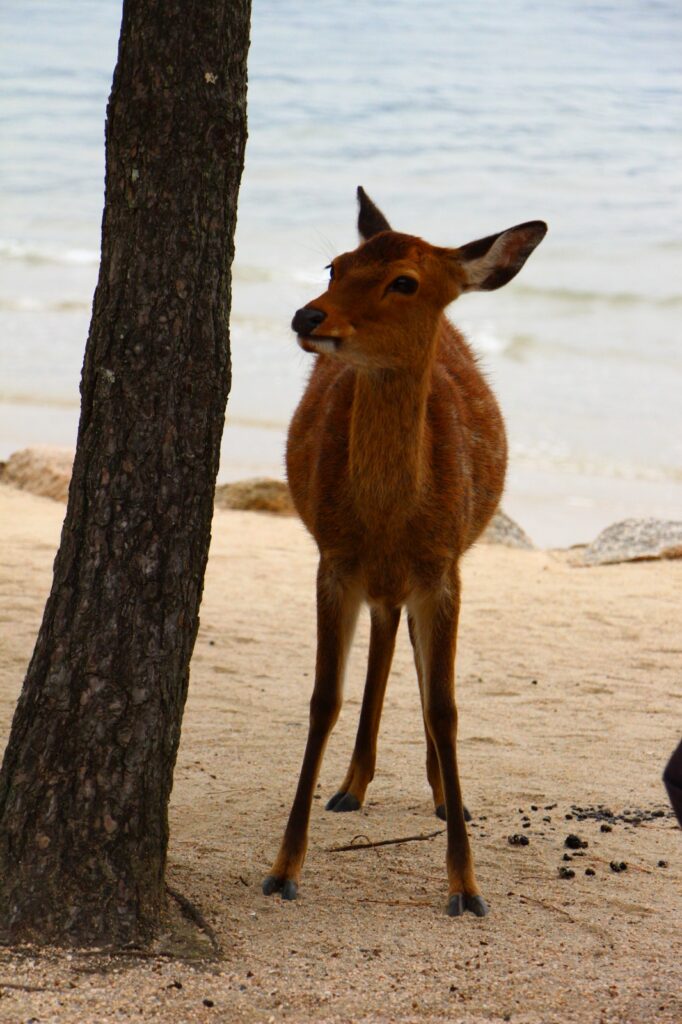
[[351, 794], [435, 616], [432, 766]]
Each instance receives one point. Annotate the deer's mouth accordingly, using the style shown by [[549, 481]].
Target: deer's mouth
[[321, 345]]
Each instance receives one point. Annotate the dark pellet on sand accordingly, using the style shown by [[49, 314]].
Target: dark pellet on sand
[[566, 873], [518, 840], [618, 866], [574, 842], [605, 828], [662, 864], [590, 871]]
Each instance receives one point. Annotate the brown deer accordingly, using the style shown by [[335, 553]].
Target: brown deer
[[396, 459]]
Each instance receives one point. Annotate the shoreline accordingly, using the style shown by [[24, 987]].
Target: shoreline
[[557, 509]]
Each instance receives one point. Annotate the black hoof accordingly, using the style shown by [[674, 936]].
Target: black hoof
[[440, 812], [271, 884], [477, 905], [285, 886], [290, 890], [458, 903], [343, 802]]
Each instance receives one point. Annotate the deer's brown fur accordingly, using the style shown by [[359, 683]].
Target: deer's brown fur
[[396, 461]]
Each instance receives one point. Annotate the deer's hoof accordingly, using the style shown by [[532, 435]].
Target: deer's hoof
[[285, 886], [440, 813], [343, 802], [459, 902], [290, 891]]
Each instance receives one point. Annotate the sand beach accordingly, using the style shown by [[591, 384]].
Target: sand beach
[[570, 702]]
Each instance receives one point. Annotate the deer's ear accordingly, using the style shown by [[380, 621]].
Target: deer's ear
[[490, 262], [370, 218]]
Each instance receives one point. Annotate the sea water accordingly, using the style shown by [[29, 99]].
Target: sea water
[[459, 120]]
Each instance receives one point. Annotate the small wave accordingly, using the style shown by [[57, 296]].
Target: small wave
[[48, 401], [250, 323], [485, 339], [579, 295], [27, 253], [253, 275], [249, 274], [544, 457], [253, 422], [25, 305]]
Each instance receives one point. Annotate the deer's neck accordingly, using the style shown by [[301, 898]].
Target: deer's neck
[[388, 443]]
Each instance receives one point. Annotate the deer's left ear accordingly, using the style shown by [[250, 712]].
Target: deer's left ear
[[370, 218], [490, 262]]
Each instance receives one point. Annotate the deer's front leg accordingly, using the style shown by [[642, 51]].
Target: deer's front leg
[[337, 611], [351, 794], [435, 616]]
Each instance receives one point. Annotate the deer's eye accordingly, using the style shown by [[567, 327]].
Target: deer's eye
[[405, 285]]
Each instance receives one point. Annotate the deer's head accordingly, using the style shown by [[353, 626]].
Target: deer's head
[[384, 299]]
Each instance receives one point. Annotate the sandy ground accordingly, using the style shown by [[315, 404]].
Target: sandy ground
[[569, 696]]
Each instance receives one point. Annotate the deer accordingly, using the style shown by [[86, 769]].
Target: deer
[[396, 459]]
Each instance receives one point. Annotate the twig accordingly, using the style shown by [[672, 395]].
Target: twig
[[383, 842], [547, 906], [193, 914], [29, 988], [396, 903]]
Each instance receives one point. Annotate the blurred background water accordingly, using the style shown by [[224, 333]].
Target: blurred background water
[[460, 120]]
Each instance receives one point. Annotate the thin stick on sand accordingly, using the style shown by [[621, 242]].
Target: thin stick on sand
[[383, 842]]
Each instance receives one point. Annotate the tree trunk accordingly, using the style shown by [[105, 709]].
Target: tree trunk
[[88, 769]]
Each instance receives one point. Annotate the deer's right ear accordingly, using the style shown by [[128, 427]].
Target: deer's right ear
[[490, 262], [370, 218]]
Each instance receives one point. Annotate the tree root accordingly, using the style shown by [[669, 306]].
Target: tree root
[[192, 913]]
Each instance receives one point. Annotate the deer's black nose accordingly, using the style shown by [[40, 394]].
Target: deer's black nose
[[307, 319]]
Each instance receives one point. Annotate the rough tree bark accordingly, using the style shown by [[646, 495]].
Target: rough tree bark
[[88, 769]]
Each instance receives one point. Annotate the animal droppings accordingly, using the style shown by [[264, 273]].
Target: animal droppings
[[574, 842]]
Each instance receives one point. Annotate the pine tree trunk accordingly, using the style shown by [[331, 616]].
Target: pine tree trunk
[[88, 769]]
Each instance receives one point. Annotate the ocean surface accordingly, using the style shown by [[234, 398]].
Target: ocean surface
[[459, 120]]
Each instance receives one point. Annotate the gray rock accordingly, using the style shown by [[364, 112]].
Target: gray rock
[[503, 530], [634, 540]]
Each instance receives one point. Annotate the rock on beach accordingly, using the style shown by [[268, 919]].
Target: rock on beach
[[634, 540]]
